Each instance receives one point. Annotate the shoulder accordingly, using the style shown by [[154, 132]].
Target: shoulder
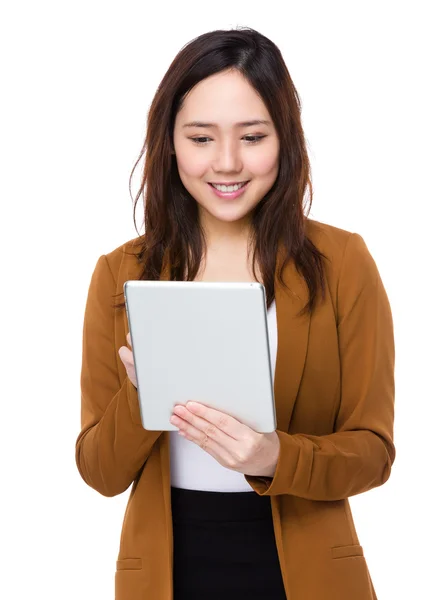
[[330, 240], [335, 242], [123, 258], [346, 252]]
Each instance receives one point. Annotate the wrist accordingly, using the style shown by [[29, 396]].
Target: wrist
[[269, 471]]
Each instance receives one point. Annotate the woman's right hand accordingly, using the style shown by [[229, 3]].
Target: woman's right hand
[[126, 355]]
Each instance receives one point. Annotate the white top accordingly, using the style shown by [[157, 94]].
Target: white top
[[194, 469]]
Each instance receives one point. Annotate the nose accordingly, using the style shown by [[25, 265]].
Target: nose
[[227, 158]]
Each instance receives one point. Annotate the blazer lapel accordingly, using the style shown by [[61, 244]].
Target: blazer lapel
[[293, 336]]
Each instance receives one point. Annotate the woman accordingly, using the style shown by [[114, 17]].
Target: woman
[[220, 510]]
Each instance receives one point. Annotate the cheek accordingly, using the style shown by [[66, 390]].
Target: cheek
[[263, 164], [191, 163]]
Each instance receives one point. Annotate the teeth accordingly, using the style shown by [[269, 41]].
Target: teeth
[[228, 188]]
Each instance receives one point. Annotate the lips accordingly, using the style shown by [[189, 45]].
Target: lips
[[217, 185], [230, 195], [228, 183]]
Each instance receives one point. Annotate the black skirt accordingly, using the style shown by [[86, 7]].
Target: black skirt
[[224, 546]]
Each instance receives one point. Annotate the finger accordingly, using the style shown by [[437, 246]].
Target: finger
[[198, 428], [210, 445], [220, 420], [129, 339], [126, 355]]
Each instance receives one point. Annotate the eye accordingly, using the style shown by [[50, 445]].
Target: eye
[[253, 139], [200, 140], [250, 139]]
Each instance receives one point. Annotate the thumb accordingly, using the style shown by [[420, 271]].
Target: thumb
[[123, 350]]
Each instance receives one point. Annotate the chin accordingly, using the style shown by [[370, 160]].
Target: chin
[[228, 214]]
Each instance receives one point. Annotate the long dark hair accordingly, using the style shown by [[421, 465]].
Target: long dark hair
[[172, 230]]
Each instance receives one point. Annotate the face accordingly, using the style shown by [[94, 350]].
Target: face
[[218, 142]]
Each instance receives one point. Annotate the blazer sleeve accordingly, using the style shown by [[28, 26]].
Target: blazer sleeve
[[112, 445], [359, 454]]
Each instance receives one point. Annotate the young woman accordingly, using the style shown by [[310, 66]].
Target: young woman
[[221, 511]]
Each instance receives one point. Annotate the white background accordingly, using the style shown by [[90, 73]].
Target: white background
[[77, 80]]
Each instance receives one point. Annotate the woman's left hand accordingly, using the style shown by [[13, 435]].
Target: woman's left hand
[[234, 445]]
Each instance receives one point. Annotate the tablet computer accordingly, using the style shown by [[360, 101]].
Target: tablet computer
[[201, 341]]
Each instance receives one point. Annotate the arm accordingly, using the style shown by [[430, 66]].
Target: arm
[[113, 445], [358, 456]]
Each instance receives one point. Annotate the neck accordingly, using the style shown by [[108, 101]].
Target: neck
[[222, 235]]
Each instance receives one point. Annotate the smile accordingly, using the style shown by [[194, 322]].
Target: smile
[[228, 188], [229, 192]]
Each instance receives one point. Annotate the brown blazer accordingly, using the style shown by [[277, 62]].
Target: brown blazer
[[334, 393]]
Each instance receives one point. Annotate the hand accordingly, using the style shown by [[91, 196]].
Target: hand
[[234, 445], [126, 355]]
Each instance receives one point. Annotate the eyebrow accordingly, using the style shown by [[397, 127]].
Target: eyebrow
[[214, 125]]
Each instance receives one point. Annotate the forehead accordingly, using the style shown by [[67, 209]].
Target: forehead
[[223, 98]]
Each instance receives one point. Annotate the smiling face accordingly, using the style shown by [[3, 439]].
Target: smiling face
[[223, 134]]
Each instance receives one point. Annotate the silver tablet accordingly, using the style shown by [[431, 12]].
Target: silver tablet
[[201, 341]]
